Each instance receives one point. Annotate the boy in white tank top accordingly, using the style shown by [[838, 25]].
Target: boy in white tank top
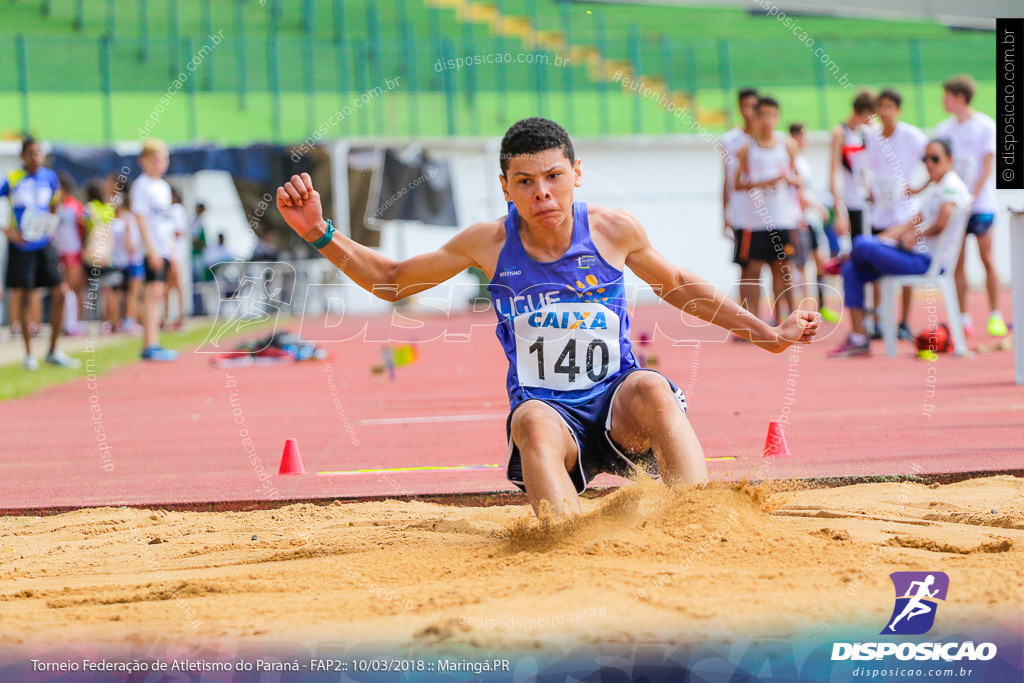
[[732, 141], [766, 172]]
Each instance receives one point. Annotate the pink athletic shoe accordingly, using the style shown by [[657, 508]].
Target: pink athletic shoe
[[849, 349], [834, 265]]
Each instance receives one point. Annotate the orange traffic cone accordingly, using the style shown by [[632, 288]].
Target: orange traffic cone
[[291, 461], [775, 445]]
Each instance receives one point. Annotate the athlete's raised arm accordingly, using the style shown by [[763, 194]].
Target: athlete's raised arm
[[691, 293], [299, 204]]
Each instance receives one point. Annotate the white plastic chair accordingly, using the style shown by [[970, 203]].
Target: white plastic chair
[[940, 274]]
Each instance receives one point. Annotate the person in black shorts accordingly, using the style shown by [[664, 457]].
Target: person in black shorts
[[150, 200], [32, 259], [761, 245], [765, 171]]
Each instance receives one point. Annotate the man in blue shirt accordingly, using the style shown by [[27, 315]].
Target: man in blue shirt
[[32, 261]]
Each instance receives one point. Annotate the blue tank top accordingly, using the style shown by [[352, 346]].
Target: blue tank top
[[563, 324]]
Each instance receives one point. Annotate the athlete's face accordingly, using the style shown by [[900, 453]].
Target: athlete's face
[[32, 157], [541, 186], [155, 163], [748, 109], [768, 118], [936, 161], [888, 112]]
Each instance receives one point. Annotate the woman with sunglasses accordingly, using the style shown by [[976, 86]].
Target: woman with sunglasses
[[904, 249]]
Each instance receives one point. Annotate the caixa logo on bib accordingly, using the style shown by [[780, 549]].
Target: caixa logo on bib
[[917, 594]]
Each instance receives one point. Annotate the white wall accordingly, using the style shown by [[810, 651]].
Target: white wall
[[224, 212], [672, 183]]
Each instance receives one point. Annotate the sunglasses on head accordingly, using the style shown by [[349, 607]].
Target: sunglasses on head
[[934, 158]]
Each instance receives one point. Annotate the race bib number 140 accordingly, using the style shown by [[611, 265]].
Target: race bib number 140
[[566, 346]]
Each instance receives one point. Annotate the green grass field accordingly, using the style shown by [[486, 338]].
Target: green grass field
[[108, 354], [15, 382]]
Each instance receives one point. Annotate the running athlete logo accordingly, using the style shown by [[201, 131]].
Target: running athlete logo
[[916, 595], [585, 261], [248, 299]]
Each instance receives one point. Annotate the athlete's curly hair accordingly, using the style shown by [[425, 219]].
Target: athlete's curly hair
[[532, 135]]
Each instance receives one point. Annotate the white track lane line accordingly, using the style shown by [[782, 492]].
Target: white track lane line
[[431, 418]]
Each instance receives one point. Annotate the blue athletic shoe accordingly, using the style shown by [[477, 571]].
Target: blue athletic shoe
[[158, 353]]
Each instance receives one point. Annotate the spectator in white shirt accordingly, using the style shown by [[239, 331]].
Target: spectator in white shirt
[[150, 197], [973, 136]]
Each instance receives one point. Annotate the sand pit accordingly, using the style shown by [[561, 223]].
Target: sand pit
[[643, 564]]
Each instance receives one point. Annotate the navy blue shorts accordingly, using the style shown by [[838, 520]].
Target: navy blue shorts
[[590, 425], [833, 240], [980, 223]]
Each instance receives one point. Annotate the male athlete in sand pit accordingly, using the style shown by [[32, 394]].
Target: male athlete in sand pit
[[580, 403]]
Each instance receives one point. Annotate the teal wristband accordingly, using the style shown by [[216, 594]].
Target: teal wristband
[[326, 239]]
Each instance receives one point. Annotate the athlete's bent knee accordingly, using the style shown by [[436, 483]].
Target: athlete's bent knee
[[533, 425], [650, 385], [646, 393]]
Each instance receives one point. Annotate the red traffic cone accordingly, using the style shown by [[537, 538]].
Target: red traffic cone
[[775, 445], [291, 461]]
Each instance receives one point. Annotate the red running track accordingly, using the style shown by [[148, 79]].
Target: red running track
[[178, 432]]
